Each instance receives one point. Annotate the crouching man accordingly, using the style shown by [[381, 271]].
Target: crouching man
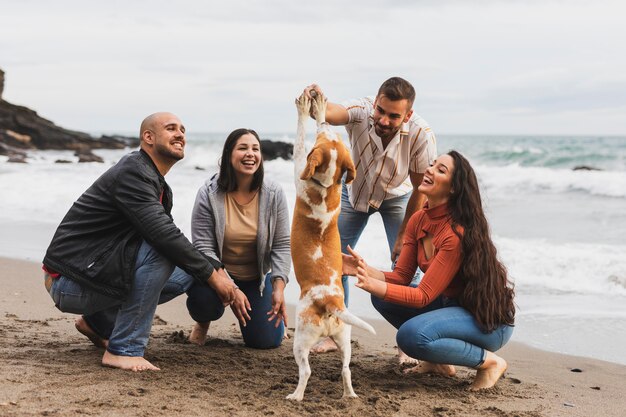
[[112, 255]]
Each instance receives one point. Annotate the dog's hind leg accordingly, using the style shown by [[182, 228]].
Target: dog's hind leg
[[342, 339], [302, 343]]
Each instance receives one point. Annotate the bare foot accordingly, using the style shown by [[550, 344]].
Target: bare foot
[[406, 360], [432, 368], [199, 332], [325, 345], [84, 328], [131, 363], [489, 372]]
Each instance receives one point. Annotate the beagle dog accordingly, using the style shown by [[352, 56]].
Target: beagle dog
[[316, 246]]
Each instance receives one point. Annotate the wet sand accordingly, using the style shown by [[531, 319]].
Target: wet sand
[[48, 368]]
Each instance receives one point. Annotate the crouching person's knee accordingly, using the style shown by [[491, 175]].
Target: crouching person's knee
[[413, 342]]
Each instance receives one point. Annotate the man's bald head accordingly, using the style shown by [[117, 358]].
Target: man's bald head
[[163, 138], [152, 122]]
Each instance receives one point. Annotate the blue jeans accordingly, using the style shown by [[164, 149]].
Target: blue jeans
[[352, 223], [204, 305], [442, 332], [125, 323]]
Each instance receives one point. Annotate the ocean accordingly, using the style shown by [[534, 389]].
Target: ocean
[[560, 232]]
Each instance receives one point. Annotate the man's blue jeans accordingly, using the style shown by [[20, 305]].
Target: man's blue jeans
[[352, 223], [442, 332], [204, 305], [126, 324]]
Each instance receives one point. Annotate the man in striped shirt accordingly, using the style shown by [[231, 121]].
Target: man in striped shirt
[[391, 148]]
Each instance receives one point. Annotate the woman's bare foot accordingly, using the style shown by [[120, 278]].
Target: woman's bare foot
[[199, 332], [406, 360], [131, 363], [84, 328], [325, 345], [432, 368], [489, 372]]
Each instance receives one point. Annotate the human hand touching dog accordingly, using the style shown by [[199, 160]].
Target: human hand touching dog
[[368, 278], [351, 262]]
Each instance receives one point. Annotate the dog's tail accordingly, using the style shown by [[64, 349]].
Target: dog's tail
[[351, 319]]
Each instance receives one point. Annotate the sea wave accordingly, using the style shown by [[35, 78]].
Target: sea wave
[[540, 265], [515, 178]]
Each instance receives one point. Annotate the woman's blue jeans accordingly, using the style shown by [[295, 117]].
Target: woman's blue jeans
[[351, 224], [442, 332], [204, 305]]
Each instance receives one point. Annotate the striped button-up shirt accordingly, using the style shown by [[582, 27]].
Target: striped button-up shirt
[[382, 174]]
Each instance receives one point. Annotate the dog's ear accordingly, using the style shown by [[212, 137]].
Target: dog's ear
[[312, 161], [348, 167]]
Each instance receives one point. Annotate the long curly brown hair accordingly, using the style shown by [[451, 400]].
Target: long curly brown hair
[[488, 292]]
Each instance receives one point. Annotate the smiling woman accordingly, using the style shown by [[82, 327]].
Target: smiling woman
[[241, 218], [462, 310]]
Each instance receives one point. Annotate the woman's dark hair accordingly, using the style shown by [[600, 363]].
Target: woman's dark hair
[[488, 292], [227, 181]]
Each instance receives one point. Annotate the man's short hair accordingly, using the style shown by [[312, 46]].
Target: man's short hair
[[396, 89]]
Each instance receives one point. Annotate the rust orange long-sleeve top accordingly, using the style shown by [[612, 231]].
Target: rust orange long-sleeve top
[[440, 271]]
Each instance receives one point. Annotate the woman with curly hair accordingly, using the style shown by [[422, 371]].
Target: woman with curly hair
[[462, 310]]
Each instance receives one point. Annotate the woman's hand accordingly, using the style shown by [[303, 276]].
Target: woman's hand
[[374, 285], [240, 307], [351, 262], [279, 307]]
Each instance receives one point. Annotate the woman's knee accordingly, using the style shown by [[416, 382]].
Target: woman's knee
[[263, 338], [204, 304], [413, 340]]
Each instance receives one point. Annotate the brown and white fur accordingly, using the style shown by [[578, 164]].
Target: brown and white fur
[[316, 246]]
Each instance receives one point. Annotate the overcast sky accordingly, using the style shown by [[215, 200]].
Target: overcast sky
[[492, 67]]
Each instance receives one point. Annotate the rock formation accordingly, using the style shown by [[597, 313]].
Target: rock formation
[[23, 128], [276, 149], [1, 82]]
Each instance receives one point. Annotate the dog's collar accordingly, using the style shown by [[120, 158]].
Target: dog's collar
[[317, 182]]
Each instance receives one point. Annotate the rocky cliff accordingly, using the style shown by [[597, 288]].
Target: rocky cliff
[[22, 128]]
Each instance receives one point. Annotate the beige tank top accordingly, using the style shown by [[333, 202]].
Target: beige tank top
[[239, 253]]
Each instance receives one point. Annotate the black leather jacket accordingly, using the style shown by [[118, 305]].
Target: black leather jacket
[[97, 242]]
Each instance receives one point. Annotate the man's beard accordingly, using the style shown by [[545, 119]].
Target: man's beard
[[384, 133], [165, 151]]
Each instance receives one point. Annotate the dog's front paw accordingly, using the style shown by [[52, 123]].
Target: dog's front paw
[[319, 108], [303, 104]]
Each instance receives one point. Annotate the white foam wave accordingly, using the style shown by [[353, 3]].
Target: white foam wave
[[582, 268], [515, 178]]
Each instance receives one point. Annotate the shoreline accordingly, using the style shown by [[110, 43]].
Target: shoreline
[[47, 367]]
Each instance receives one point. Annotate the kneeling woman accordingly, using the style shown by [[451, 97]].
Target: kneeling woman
[[242, 219], [462, 311]]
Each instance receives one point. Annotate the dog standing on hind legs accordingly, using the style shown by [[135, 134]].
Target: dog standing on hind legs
[[316, 246]]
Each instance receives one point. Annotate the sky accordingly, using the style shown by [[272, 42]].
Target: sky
[[479, 67]]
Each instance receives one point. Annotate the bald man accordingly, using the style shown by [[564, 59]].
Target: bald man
[[114, 251]]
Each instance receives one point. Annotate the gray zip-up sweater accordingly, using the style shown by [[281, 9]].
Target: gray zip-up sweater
[[273, 250]]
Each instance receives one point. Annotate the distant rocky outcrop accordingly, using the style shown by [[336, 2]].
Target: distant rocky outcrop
[[22, 128], [585, 168], [1, 82], [276, 149]]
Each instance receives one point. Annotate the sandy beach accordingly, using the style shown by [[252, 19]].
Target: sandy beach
[[48, 368]]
